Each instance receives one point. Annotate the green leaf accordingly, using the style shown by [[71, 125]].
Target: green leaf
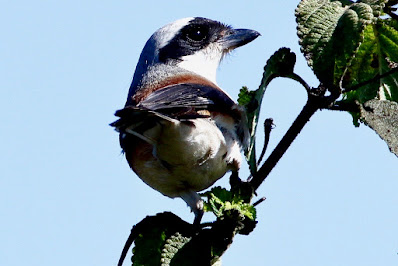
[[353, 47], [280, 64], [376, 5], [148, 247], [377, 55], [165, 239], [221, 201], [329, 33], [172, 246]]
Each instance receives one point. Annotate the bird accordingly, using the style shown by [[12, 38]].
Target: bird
[[179, 131]]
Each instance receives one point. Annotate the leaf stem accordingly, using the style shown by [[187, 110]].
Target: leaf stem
[[268, 125], [346, 107], [259, 201], [375, 78], [312, 105], [127, 245], [299, 79]]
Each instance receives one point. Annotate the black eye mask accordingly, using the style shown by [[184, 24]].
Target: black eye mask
[[197, 35]]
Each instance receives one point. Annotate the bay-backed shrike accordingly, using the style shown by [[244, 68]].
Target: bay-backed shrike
[[180, 132]]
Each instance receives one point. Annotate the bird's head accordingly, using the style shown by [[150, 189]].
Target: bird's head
[[193, 44]]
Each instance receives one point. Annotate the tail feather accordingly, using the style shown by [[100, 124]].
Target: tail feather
[[136, 121], [134, 117]]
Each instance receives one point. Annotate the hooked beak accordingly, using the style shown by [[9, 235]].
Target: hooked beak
[[235, 38]]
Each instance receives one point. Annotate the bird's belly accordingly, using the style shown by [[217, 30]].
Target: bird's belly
[[187, 157]]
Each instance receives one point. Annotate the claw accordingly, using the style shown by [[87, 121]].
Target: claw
[[194, 201]]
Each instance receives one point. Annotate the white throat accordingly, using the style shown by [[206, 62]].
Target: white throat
[[204, 62]]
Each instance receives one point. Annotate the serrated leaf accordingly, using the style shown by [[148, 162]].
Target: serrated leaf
[[377, 55], [382, 117], [245, 96], [376, 5], [173, 244], [353, 47], [329, 34], [221, 200], [165, 239], [280, 64]]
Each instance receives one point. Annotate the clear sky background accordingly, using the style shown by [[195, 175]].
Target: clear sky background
[[67, 196]]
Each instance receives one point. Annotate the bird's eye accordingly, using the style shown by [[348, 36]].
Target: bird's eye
[[197, 33]]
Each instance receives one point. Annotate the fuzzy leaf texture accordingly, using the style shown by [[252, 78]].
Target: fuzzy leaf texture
[[378, 54], [330, 33], [221, 200], [353, 47], [280, 64], [172, 247], [382, 116], [165, 239]]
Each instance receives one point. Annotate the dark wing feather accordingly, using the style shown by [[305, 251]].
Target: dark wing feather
[[181, 101], [187, 96], [137, 117]]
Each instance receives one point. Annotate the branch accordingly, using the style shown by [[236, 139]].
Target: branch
[[390, 9], [345, 107], [392, 15], [314, 103]]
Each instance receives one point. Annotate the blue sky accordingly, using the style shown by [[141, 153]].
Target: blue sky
[[67, 196]]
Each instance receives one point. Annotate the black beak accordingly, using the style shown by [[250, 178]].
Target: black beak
[[237, 37]]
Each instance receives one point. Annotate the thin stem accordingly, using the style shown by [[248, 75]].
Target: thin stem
[[375, 78], [344, 107], [127, 245], [312, 105], [259, 201], [299, 79], [268, 124]]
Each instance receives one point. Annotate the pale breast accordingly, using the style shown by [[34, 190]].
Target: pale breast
[[188, 156]]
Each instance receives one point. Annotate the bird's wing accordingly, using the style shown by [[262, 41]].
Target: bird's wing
[[172, 99], [171, 104]]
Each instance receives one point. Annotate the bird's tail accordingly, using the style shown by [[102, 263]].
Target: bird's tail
[[139, 122]]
